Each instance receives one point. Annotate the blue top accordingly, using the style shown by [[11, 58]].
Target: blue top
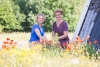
[[34, 36]]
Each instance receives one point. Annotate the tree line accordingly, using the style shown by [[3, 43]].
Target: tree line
[[19, 15]]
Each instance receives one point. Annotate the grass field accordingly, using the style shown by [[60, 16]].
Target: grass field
[[41, 56], [23, 36]]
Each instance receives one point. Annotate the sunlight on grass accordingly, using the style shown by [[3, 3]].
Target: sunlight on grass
[[15, 36], [47, 54], [23, 36]]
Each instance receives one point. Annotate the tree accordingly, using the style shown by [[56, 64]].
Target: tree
[[8, 19], [20, 15], [70, 8]]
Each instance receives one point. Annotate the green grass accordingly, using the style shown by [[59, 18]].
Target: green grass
[[23, 36], [40, 56], [15, 36]]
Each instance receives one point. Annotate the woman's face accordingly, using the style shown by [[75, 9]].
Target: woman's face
[[40, 19], [58, 16]]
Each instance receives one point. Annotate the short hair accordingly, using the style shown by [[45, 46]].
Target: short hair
[[58, 10], [41, 15]]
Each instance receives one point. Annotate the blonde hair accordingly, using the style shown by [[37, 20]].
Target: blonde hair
[[41, 15], [58, 10]]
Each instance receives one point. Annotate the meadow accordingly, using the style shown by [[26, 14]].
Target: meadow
[[77, 54], [24, 36]]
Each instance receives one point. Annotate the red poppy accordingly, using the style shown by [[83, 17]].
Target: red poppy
[[5, 42], [8, 39], [79, 40], [95, 42], [77, 37], [11, 40], [8, 44], [68, 47], [3, 46]]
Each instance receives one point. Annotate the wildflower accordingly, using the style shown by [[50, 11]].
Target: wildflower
[[3, 46], [9, 44], [44, 49], [64, 45], [78, 39], [12, 41], [95, 42], [89, 43], [82, 50], [5, 42], [68, 47], [8, 39], [87, 38]]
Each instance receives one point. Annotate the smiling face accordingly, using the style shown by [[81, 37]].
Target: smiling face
[[58, 16], [40, 19]]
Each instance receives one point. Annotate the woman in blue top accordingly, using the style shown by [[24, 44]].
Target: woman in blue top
[[37, 32]]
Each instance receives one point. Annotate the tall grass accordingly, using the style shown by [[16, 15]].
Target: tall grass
[[77, 54], [15, 36], [43, 57], [23, 36]]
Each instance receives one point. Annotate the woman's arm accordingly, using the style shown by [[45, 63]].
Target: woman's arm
[[45, 37], [38, 33], [64, 35], [53, 34]]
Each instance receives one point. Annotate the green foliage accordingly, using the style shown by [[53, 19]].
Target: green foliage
[[1, 28], [70, 8], [30, 9], [19, 15], [91, 50], [8, 18]]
